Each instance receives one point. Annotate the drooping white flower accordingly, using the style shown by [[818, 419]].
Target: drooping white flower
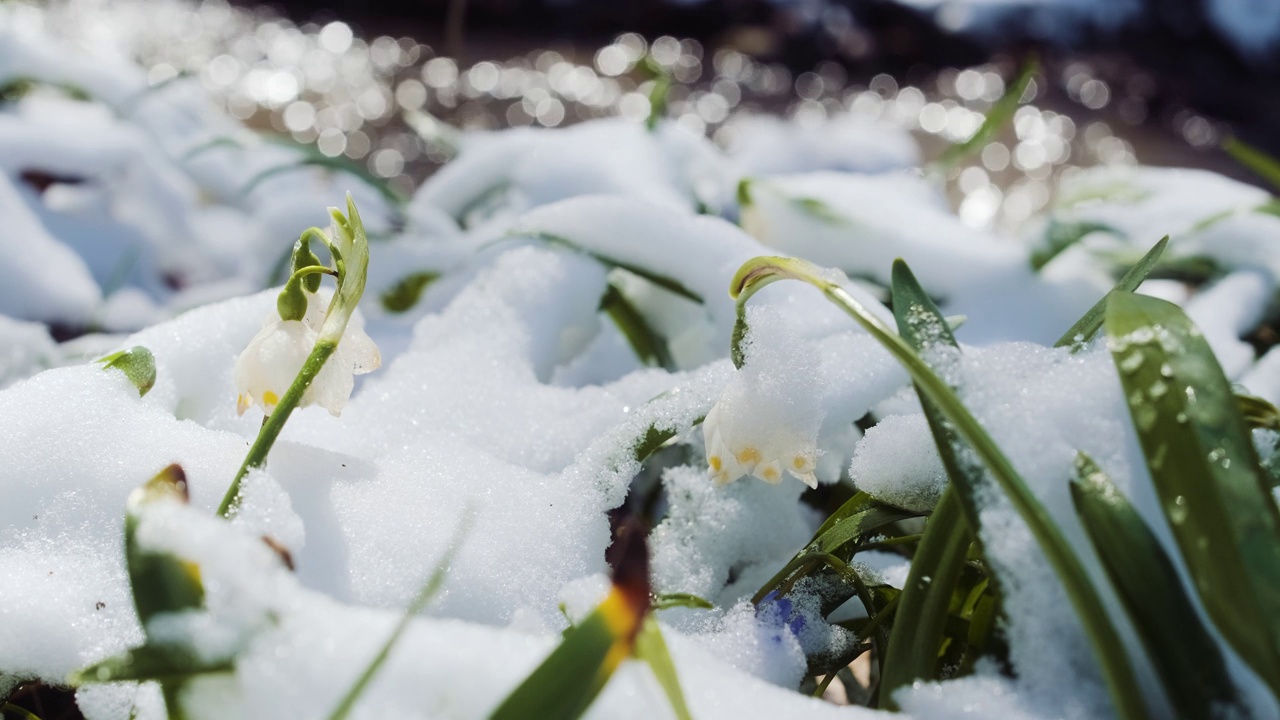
[[767, 418], [734, 449], [271, 361]]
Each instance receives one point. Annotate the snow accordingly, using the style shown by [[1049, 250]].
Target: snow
[[507, 394]]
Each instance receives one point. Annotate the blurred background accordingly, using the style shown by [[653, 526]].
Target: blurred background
[[384, 83]]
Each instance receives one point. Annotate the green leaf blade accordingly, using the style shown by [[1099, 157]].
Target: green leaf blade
[[999, 114], [1206, 472], [1181, 649], [137, 363], [1086, 327], [652, 649]]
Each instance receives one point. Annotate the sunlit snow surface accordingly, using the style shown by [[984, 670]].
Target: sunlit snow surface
[[506, 392]]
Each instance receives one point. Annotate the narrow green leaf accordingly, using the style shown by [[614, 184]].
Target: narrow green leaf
[[837, 540], [420, 601], [858, 526], [161, 663], [19, 711], [1258, 413], [1182, 650], [1262, 164], [759, 272], [651, 275], [688, 600], [563, 686], [137, 363], [999, 114], [338, 164], [652, 648], [1061, 235], [658, 95], [1206, 472], [935, 569], [922, 326], [1086, 327], [402, 296], [648, 345], [211, 144]]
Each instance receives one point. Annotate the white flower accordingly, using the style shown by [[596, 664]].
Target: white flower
[[268, 366], [734, 449]]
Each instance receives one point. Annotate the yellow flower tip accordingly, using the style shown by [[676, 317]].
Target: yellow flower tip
[[771, 474], [722, 478], [748, 455], [808, 479], [716, 463], [243, 402], [801, 463], [270, 399]]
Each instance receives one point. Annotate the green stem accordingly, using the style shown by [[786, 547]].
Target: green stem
[[826, 683], [1116, 669], [275, 423]]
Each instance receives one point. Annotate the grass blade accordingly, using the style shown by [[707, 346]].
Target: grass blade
[[402, 296], [999, 114], [1262, 164], [925, 603], [566, 683], [428, 592], [1206, 472], [1086, 327], [1184, 654], [652, 648], [761, 271], [648, 345]]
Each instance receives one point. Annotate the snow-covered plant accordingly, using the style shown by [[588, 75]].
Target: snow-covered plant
[[1214, 490]]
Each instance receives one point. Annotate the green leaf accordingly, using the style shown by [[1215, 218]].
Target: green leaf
[[819, 210], [1061, 235], [162, 663], [137, 363], [1182, 650], [564, 685], [851, 525], [19, 711], [999, 114], [1259, 414], [402, 296], [1262, 164], [651, 275], [335, 164], [650, 347], [161, 582], [689, 600], [762, 271], [658, 101], [926, 598], [1086, 327], [925, 604], [858, 526], [420, 601], [652, 649], [1206, 472]]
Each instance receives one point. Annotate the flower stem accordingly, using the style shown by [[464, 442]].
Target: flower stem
[[275, 423]]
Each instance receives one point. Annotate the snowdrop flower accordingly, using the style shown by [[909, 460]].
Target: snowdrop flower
[[268, 366]]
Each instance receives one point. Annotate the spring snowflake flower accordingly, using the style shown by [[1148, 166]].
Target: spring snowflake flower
[[734, 450], [767, 418], [268, 366]]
